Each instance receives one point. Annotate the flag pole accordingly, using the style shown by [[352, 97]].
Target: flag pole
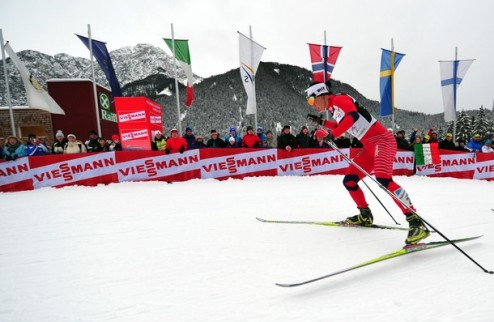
[[393, 125], [176, 83], [324, 74], [95, 94], [254, 82], [454, 120], [7, 87]]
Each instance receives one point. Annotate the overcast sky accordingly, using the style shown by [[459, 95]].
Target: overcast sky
[[425, 30]]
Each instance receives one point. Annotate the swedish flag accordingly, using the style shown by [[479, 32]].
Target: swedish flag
[[389, 62]]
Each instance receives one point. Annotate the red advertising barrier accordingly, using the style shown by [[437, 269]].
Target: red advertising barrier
[[138, 120], [35, 172]]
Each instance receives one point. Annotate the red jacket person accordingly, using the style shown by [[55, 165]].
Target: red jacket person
[[379, 150]]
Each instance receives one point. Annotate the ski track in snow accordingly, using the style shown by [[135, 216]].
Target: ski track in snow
[[193, 251]]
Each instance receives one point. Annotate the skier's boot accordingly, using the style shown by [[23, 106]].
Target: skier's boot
[[417, 230], [364, 218]]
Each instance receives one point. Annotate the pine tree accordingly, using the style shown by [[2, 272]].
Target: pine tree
[[482, 124], [463, 126]]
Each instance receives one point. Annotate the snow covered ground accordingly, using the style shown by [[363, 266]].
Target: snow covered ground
[[193, 251]]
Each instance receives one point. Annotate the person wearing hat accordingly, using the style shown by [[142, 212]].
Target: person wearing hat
[[378, 154], [36, 147], [447, 143], [189, 137], [59, 143], [159, 141], [260, 133], [250, 139], [462, 146], [270, 141], [231, 144], [92, 143], [233, 133], [215, 141], [13, 149], [401, 141], [475, 144], [286, 140], [115, 144], [303, 138], [487, 148], [426, 139], [175, 143], [74, 145]]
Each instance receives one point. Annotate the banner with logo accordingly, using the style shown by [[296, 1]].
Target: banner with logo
[[138, 119], [86, 169]]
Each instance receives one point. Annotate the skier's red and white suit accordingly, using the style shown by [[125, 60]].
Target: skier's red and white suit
[[378, 152]]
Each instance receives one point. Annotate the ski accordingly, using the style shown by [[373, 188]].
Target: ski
[[329, 223], [403, 251]]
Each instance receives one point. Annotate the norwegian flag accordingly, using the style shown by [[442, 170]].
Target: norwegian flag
[[323, 59]]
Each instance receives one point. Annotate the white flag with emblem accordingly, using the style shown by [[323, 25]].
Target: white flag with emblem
[[452, 73], [37, 97], [250, 57]]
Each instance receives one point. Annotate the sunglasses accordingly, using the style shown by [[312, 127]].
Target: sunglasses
[[311, 99]]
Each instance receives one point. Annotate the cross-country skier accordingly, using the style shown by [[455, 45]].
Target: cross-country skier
[[378, 153]]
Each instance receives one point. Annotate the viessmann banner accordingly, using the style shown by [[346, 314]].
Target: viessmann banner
[[30, 173]]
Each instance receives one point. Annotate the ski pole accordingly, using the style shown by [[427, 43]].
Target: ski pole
[[377, 197], [333, 145], [380, 202]]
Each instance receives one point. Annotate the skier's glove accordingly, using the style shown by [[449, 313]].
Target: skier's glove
[[316, 119], [182, 149]]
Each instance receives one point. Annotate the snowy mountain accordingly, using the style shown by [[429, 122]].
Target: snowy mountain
[[131, 64], [146, 70]]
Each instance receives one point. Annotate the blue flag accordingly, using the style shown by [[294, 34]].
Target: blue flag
[[389, 62], [103, 57]]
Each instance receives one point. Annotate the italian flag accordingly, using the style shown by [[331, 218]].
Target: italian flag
[[183, 56], [427, 154]]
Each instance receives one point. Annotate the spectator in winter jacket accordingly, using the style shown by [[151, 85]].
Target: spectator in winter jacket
[[74, 145], [104, 146], [415, 132], [232, 144], [233, 133], [417, 140], [13, 149], [447, 143], [462, 146], [260, 133], [270, 141], [36, 147], [251, 140], [215, 141], [475, 144], [199, 143], [115, 144], [92, 143], [303, 138], [189, 137], [59, 144], [487, 148], [175, 143], [159, 142], [401, 142], [286, 140]]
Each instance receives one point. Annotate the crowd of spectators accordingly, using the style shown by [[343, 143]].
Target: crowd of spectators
[[14, 148], [35, 146], [475, 144]]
